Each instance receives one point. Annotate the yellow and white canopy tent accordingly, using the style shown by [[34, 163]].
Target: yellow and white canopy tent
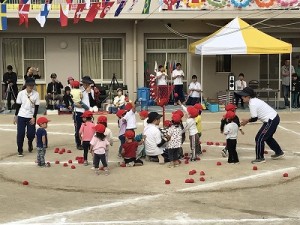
[[238, 38]]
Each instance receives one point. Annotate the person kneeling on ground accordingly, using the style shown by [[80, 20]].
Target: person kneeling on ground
[[129, 149]]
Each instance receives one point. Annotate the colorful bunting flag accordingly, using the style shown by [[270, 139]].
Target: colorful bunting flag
[[132, 5], [78, 12], [92, 12], [146, 7], [24, 7], [120, 8], [106, 8], [42, 16], [3, 17], [64, 12], [170, 3]]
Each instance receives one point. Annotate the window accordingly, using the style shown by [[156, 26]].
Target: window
[[102, 57], [223, 63], [22, 53]]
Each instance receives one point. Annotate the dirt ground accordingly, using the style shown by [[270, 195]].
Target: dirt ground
[[234, 194]]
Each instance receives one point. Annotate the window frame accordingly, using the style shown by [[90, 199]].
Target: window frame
[[102, 80]]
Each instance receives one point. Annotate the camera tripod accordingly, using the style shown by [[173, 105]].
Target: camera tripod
[[113, 84]]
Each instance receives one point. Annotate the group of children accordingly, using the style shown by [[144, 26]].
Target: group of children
[[96, 138]]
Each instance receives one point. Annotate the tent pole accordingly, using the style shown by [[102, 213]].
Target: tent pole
[[201, 79], [279, 79], [291, 81]]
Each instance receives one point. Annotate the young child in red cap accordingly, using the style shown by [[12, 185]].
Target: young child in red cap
[[130, 116], [41, 141], [122, 128], [108, 133], [190, 126], [86, 133], [174, 143], [180, 151], [76, 93], [144, 116], [98, 147], [229, 108], [129, 150], [231, 132]]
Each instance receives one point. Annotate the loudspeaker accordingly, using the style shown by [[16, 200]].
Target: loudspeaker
[[231, 82]]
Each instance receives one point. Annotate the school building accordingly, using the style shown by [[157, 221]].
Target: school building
[[129, 45]]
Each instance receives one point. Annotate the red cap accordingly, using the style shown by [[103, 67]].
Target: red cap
[[167, 123], [87, 114], [129, 134], [120, 113], [176, 118], [198, 106], [100, 128], [229, 115], [179, 112], [144, 113], [102, 119], [42, 120], [75, 84], [193, 112], [230, 107], [128, 106]]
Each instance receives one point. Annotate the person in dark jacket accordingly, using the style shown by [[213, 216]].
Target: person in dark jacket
[[11, 88], [68, 98], [54, 90], [295, 90]]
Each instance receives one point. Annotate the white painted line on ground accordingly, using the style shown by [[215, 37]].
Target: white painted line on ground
[[183, 221], [54, 216], [49, 132], [251, 177], [286, 129]]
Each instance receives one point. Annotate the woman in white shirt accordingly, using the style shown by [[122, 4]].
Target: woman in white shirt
[[161, 81], [178, 76], [240, 84], [119, 100], [153, 137], [195, 89]]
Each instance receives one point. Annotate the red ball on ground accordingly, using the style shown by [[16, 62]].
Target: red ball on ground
[[186, 157], [192, 181], [77, 157], [48, 164], [202, 179], [73, 167], [167, 182], [61, 152], [69, 151], [207, 142], [56, 162], [187, 181], [25, 182], [65, 164], [63, 149], [254, 168], [217, 143], [211, 143], [285, 175], [186, 162], [70, 161], [191, 172], [202, 173], [198, 158], [56, 151], [204, 150], [219, 163]]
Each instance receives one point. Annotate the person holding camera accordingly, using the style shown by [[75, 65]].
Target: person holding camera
[[11, 88], [54, 90], [32, 72]]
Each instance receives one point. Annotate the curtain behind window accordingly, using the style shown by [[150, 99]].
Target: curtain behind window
[[112, 58], [91, 57], [12, 55]]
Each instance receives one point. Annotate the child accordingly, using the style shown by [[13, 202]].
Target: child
[[230, 107], [180, 151], [144, 116], [174, 143], [190, 126], [41, 141], [76, 93], [68, 98], [199, 107], [108, 133], [164, 132], [129, 149], [231, 132], [98, 148], [130, 117], [295, 90], [86, 133], [122, 128]]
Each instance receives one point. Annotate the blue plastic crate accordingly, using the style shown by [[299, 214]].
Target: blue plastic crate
[[143, 94], [213, 107]]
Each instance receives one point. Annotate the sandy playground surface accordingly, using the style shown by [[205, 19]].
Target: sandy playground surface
[[230, 194]]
